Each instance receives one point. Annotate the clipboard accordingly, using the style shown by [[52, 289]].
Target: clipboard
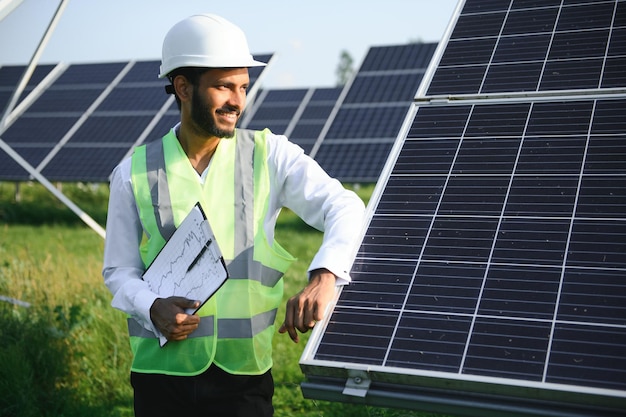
[[190, 264]]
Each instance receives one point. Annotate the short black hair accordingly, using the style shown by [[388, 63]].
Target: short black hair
[[192, 74]]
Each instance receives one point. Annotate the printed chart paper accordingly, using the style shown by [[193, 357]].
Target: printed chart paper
[[190, 264]]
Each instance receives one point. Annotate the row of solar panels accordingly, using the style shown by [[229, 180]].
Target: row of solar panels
[[82, 119]]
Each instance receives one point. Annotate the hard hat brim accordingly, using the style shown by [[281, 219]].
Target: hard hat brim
[[206, 62]]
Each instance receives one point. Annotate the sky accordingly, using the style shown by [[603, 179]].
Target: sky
[[306, 37]]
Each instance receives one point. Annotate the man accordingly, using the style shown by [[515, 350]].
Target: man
[[218, 361]]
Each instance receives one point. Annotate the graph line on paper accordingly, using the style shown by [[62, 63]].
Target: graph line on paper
[[190, 264]]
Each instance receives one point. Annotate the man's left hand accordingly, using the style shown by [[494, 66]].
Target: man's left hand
[[309, 305]]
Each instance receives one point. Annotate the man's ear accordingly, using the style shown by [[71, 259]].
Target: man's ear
[[183, 88]]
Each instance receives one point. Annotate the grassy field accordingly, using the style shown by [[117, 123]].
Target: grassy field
[[67, 354]]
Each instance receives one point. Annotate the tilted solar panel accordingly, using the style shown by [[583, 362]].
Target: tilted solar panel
[[274, 109], [89, 118], [300, 114], [490, 278], [10, 77], [369, 117], [314, 116]]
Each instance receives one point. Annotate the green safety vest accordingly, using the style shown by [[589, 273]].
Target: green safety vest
[[237, 323]]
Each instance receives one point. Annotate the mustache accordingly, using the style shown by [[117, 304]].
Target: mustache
[[230, 109]]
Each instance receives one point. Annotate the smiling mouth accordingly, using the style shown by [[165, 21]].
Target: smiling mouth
[[229, 112]]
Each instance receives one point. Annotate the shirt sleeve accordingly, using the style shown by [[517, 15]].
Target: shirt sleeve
[[123, 266], [301, 185]]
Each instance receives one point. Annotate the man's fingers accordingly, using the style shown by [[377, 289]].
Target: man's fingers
[[184, 303], [289, 322], [293, 335], [310, 317], [170, 317]]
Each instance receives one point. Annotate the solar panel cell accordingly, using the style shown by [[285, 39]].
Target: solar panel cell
[[520, 48], [364, 163], [588, 355], [507, 348], [391, 291], [598, 14], [593, 297], [144, 72], [10, 75], [67, 100], [11, 170], [520, 291], [469, 195], [91, 164], [481, 24], [134, 99], [614, 74], [531, 241], [371, 330], [47, 130], [606, 155], [89, 74], [598, 244], [463, 239], [448, 122], [459, 79], [564, 118], [434, 342], [120, 130], [468, 51], [411, 195], [602, 196], [525, 4], [534, 19], [551, 155], [584, 44], [445, 288], [365, 123]]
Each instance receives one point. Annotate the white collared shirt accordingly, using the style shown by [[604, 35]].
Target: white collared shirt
[[297, 182]]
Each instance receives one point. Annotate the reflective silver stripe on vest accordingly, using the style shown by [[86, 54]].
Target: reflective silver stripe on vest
[[205, 328], [245, 266], [227, 328], [245, 328], [244, 202], [157, 181]]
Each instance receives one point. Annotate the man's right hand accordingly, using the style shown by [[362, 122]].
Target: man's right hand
[[170, 317]]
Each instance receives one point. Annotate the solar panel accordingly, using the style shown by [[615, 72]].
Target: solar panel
[[10, 77], [490, 278], [314, 117], [275, 109], [369, 117], [300, 114], [89, 118]]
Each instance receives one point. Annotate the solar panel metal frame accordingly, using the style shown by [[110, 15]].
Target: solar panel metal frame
[[434, 391]]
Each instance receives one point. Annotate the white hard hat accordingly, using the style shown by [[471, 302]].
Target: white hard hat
[[205, 40]]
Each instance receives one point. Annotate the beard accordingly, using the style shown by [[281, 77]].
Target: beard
[[203, 118]]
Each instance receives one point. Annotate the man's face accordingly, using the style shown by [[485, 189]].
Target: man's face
[[218, 100]]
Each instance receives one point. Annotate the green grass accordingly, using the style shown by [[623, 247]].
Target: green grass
[[68, 355]]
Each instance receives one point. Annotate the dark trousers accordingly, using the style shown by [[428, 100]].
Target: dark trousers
[[214, 393]]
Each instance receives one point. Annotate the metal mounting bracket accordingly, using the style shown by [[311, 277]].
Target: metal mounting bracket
[[358, 384]]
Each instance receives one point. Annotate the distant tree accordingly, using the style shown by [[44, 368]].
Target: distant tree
[[344, 69]]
